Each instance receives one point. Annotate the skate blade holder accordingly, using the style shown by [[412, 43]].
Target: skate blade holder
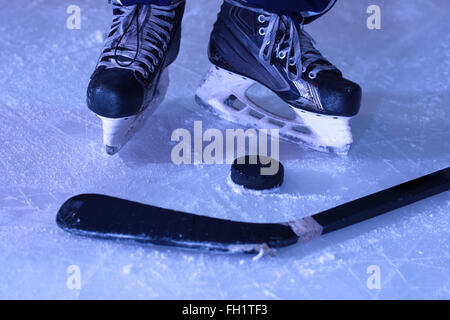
[[323, 133]]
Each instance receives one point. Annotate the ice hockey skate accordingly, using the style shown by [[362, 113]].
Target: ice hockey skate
[[249, 45], [131, 77]]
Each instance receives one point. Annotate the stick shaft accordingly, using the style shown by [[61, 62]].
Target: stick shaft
[[384, 201]]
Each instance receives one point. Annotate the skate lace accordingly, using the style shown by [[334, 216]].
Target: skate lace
[[138, 38], [285, 38]]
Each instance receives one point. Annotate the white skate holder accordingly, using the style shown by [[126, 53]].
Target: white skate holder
[[221, 88]]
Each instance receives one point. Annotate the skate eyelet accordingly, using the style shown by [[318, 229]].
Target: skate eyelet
[[160, 55], [303, 69], [292, 63], [261, 18], [312, 75], [145, 74], [262, 31], [282, 55]]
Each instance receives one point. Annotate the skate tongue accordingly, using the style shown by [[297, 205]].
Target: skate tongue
[[312, 60]]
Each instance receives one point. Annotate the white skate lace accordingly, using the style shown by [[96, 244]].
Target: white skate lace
[[285, 38], [139, 37]]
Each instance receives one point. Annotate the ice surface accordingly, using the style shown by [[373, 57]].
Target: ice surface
[[50, 149]]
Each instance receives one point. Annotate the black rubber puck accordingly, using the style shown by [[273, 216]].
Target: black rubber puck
[[257, 173]]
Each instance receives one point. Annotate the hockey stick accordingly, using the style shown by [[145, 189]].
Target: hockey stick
[[107, 217]]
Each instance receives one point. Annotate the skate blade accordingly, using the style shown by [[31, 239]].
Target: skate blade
[[221, 89], [117, 132]]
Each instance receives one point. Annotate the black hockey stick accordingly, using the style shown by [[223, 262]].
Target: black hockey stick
[[107, 217]]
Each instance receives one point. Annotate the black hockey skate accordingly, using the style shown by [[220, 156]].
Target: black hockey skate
[[131, 76], [250, 45]]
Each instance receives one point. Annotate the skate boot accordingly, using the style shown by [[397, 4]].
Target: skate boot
[[249, 45], [131, 76]]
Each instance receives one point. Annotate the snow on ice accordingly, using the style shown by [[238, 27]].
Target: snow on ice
[[51, 149]]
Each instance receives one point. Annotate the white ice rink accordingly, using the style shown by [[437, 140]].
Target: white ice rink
[[50, 149]]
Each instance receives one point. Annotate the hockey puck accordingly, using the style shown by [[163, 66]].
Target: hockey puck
[[257, 173]]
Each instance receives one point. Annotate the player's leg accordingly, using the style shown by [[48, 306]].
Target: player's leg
[[156, 2], [308, 8]]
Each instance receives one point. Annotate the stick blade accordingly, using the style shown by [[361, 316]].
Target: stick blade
[[107, 217]]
